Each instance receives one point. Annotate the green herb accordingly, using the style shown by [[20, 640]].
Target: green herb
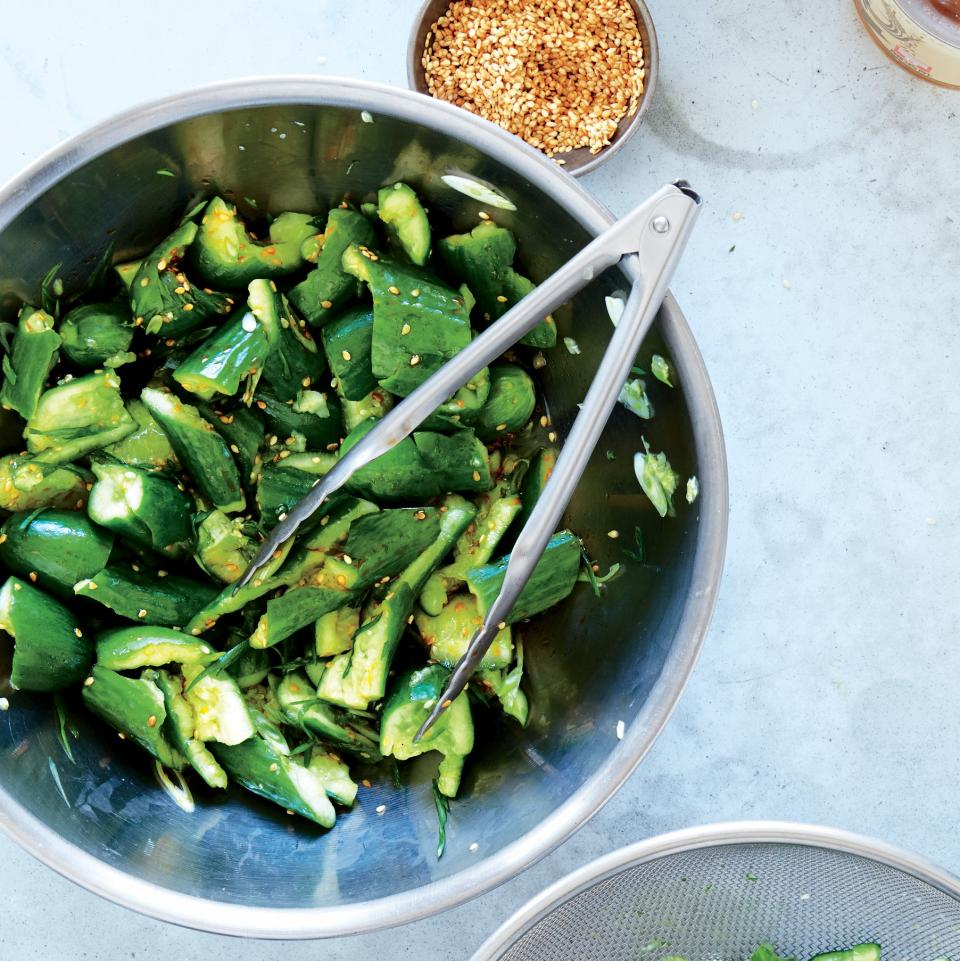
[[64, 727], [228, 657], [636, 555], [572, 346], [661, 369], [752, 877], [163, 172], [766, 952], [443, 809], [693, 489], [611, 455]]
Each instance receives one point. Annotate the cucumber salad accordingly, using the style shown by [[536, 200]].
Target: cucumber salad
[[173, 411]]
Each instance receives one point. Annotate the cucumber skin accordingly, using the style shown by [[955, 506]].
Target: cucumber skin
[[127, 704], [50, 651], [552, 580], [60, 547]]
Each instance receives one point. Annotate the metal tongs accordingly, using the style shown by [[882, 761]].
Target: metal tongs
[[655, 233]]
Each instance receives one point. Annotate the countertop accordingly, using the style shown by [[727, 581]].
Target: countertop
[[821, 284]]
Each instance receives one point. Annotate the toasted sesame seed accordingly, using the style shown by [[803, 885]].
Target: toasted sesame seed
[[404, 330], [501, 299], [161, 265], [142, 612], [345, 354], [552, 437], [88, 682], [78, 632], [561, 75], [326, 304], [613, 535], [476, 475], [501, 427], [152, 720], [33, 576], [394, 290]]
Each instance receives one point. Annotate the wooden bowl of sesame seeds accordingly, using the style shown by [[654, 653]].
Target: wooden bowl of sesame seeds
[[572, 78]]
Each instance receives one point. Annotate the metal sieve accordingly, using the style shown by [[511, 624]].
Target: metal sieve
[[714, 893]]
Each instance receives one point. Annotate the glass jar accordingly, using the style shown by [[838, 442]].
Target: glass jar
[[922, 36]]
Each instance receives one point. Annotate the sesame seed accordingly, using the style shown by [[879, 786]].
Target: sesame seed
[[88, 682], [394, 290], [326, 304], [561, 75], [552, 437], [501, 299], [381, 808], [142, 612], [476, 475], [483, 215], [414, 360], [501, 427], [33, 576], [404, 330], [415, 292], [544, 421], [78, 632], [613, 535], [345, 354], [161, 265], [152, 720], [474, 847], [4, 704]]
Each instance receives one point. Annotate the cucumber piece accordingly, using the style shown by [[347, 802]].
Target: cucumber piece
[[144, 507], [281, 485], [27, 483], [347, 343], [33, 355], [243, 430], [147, 446], [478, 542], [333, 632], [534, 481], [328, 287], [869, 951], [552, 580], [452, 735], [418, 322], [57, 547], [374, 406], [505, 686], [232, 356], [179, 730], [77, 417], [262, 768], [164, 301], [126, 272], [50, 651], [143, 596], [135, 707], [378, 545], [251, 669], [98, 335], [358, 677], [311, 415], [447, 635], [335, 775], [298, 702], [421, 466], [201, 450], [223, 549], [225, 255], [130, 648], [509, 405], [407, 224], [219, 708], [483, 259]]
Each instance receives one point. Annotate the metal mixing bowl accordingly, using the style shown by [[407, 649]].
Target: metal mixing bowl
[[241, 866], [575, 162], [720, 891]]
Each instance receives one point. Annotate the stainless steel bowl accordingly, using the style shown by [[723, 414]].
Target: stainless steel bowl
[[239, 866], [575, 162], [720, 891]]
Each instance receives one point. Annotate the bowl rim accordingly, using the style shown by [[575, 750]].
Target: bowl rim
[[706, 836], [651, 63], [437, 896]]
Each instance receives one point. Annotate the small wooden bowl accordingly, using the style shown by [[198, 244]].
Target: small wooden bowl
[[577, 161]]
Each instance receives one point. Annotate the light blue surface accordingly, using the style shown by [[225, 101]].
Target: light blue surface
[[822, 284]]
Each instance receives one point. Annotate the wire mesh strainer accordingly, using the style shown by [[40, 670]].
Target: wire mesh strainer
[[715, 893]]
